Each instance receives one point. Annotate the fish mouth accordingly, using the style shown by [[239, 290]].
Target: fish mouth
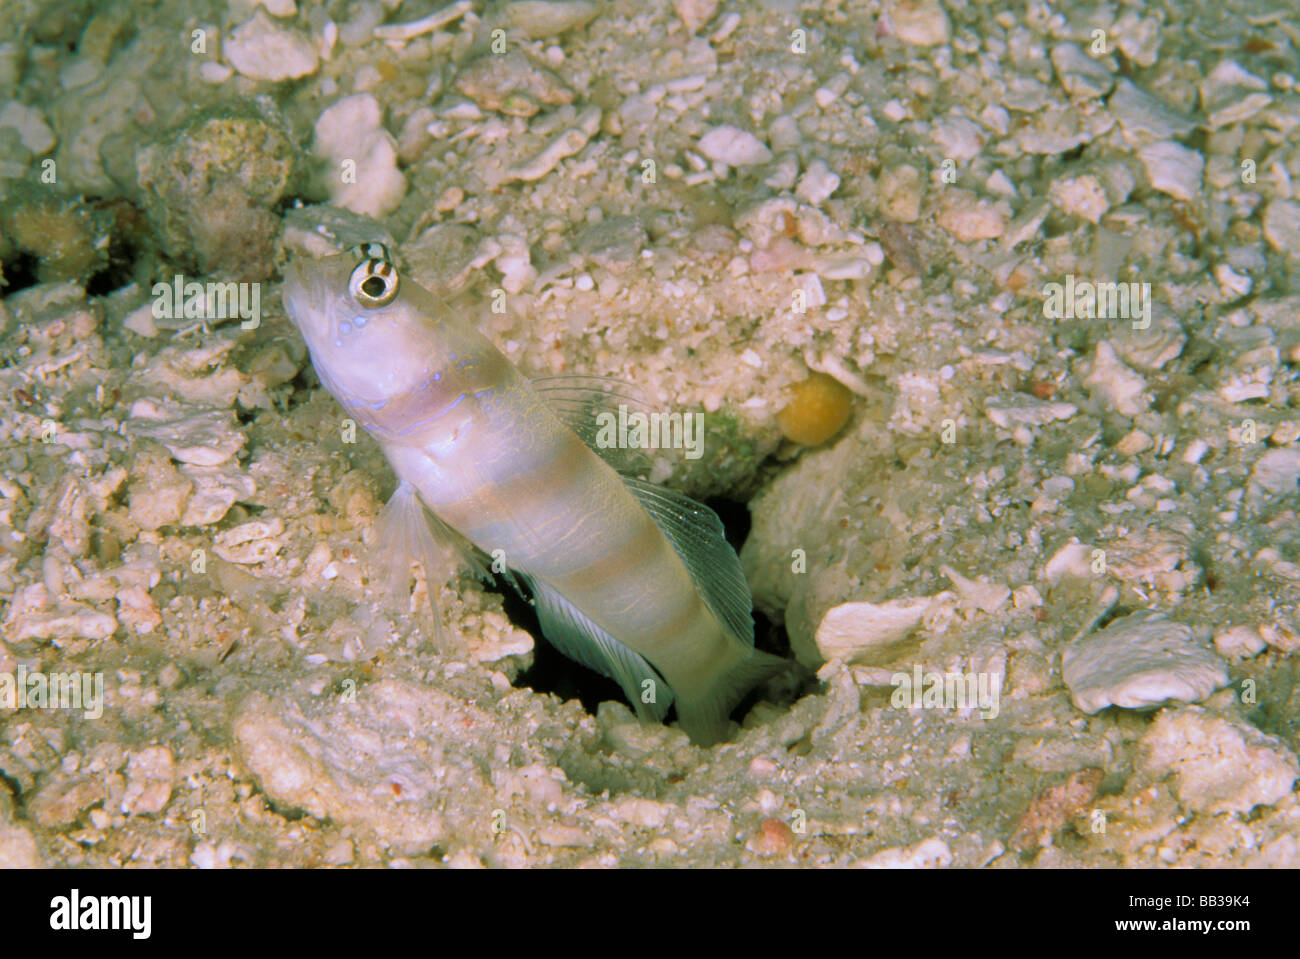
[[303, 296]]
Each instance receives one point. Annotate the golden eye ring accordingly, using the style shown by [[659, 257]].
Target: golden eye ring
[[374, 280]]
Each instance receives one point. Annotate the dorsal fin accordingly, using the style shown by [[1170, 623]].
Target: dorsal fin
[[580, 399], [697, 535]]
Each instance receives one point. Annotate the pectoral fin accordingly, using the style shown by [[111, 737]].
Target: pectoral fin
[[406, 532]]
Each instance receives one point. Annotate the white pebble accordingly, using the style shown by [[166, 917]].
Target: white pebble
[[1113, 383], [1282, 227], [1239, 642], [212, 72], [350, 133], [1140, 661], [922, 23], [1172, 168], [33, 131], [817, 184], [263, 50], [734, 147]]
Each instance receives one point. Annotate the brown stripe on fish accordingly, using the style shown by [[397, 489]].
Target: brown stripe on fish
[[645, 544], [652, 573], [689, 616], [560, 470]]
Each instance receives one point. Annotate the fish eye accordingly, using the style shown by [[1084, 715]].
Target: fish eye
[[374, 280]]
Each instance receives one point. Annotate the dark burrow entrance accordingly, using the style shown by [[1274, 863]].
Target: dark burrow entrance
[[553, 672]]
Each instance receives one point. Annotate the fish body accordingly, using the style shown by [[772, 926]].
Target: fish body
[[631, 579]]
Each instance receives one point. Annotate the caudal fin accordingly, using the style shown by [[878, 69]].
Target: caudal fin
[[703, 713]]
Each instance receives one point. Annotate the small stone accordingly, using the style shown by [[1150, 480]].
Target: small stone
[[341, 853], [1138, 37], [564, 837], [1113, 383], [1282, 227], [538, 19], [774, 837], [1276, 474], [922, 23], [1232, 285], [646, 813], [1054, 807], [930, 853], [214, 490], [514, 261], [158, 492], [207, 438], [817, 184], [212, 72], [170, 676], [62, 801], [1020, 409], [869, 633], [34, 133], [783, 133], [969, 218], [1081, 75], [149, 781], [512, 85], [1239, 642], [1142, 115], [1222, 765], [695, 13], [614, 243], [900, 193], [565, 144], [261, 49], [12, 56], [1141, 661], [734, 147], [760, 767], [66, 621], [1172, 168], [18, 847], [977, 594], [136, 610], [1231, 95], [1134, 442], [250, 543], [1083, 196], [279, 8], [351, 133], [1153, 347], [1071, 560]]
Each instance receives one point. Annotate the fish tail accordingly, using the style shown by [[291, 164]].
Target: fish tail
[[703, 712]]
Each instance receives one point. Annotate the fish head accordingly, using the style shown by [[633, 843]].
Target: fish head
[[373, 336]]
